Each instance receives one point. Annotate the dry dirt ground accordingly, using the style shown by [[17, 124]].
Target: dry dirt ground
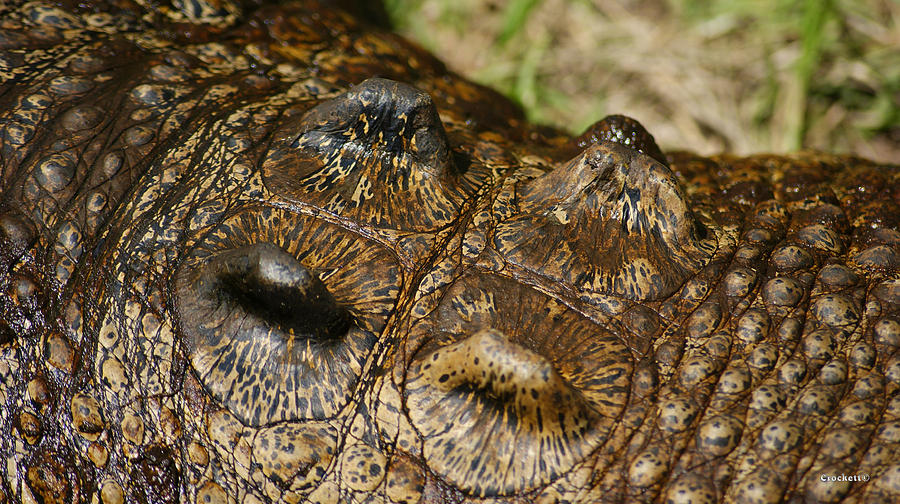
[[744, 76]]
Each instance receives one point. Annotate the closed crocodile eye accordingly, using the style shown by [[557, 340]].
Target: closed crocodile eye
[[269, 285], [529, 387], [276, 335]]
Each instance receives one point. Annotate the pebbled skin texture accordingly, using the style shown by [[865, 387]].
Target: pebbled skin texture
[[266, 253]]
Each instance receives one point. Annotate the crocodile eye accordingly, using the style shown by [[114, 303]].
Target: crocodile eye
[[277, 335], [509, 389], [272, 288]]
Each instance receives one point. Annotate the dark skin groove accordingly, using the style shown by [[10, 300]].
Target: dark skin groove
[[260, 252]]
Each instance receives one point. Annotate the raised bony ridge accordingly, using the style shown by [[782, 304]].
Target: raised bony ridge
[[612, 221], [367, 154]]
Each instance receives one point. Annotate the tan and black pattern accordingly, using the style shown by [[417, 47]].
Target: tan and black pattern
[[617, 221], [267, 283], [529, 386], [264, 252], [377, 153]]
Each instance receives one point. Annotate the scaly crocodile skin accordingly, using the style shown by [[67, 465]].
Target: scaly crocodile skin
[[260, 253]]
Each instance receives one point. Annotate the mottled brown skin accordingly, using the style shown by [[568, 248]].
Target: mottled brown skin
[[255, 253]]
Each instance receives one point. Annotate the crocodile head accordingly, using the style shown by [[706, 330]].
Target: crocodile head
[[274, 255]]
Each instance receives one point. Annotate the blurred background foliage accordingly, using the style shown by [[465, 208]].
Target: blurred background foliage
[[742, 76]]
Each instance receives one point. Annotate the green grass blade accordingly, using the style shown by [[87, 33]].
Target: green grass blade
[[514, 18]]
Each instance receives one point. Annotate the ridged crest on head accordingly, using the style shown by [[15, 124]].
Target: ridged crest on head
[[611, 221], [377, 153], [622, 130]]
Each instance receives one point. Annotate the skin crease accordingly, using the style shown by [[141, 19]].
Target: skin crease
[[270, 253]]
